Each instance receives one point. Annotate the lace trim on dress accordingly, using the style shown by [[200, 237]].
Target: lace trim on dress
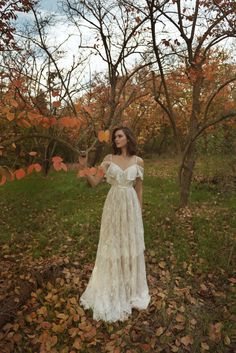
[[128, 170], [127, 289]]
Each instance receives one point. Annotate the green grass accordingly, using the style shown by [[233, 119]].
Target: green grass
[[46, 211], [60, 215]]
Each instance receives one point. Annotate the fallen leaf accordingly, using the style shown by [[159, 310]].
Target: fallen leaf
[[186, 340]]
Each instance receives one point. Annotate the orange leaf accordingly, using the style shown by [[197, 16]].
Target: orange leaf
[[100, 171], [57, 163], [91, 332], [92, 171], [14, 103], [103, 135], [77, 343], [52, 121], [32, 115], [57, 166], [21, 115], [10, 116], [73, 331], [87, 171], [30, 169], [3, 180], [69, 122], [56, 104], [19, 173], [37, 167], [64, 167], [57, 159]]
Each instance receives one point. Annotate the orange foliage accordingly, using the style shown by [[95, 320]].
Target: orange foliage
[[103, 135], [58, 164]]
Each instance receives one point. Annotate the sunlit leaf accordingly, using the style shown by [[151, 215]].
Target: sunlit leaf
[[103, 135], [19, 173], [10, 116], [3, 180]]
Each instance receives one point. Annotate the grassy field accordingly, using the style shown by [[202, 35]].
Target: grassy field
[[190, 261]]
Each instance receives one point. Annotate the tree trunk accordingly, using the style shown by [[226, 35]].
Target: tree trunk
[[186, 173], [97, 154], [190, 155], [46, 164]]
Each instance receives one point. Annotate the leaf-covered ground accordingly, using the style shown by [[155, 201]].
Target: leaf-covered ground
[[53, 223]]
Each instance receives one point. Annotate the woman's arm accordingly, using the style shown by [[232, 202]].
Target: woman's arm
[[139, 184], [139, 190], [93, 180]]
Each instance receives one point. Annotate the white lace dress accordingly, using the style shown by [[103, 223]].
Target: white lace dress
[[118, 280]]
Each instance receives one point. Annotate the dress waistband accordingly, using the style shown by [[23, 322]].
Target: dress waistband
[[122, 186]]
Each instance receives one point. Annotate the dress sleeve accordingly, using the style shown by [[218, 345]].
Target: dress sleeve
[[140, 171], [105, 163]]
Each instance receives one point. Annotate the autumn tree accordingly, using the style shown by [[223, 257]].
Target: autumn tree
[[38, 103], [9, 10], [185, 34], [117, 33]]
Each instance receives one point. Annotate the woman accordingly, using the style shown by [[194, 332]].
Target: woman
[[118, 281]]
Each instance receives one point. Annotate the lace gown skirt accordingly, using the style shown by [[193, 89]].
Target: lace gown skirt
[[118, 280]]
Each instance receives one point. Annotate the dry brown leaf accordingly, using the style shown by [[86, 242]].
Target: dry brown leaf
[[227, 340], [77, 343], [215, 331], [205, 346], [186, 340], [180, 318], [159, 331], [162, 264]]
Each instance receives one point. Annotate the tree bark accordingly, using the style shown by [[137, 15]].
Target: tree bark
[[97, 154], [190, 155], [186, 175]]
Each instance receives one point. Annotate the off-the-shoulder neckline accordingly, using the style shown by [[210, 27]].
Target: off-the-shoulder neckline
[[134, 164]]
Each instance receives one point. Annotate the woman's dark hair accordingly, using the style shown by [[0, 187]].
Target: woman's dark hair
[[131, 142]]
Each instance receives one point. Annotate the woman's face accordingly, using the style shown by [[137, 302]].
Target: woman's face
[[120, 139]]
